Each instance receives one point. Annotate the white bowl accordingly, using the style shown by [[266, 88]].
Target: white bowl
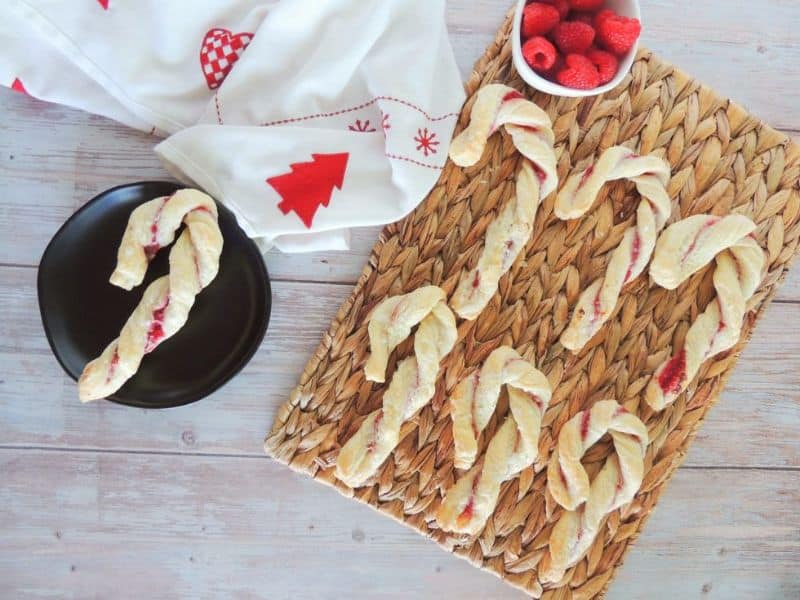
[[627, 8]]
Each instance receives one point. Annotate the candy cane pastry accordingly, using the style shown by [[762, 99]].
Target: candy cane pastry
[[151, 227], [413, 384], [531, 131], [586, 503], [682, 250], [469, 503], [651, 176], [164, 308]]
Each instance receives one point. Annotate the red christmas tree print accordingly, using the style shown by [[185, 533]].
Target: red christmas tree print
[[426, 141], [310, 185], [104, 4], [361, 126], [18, 87]]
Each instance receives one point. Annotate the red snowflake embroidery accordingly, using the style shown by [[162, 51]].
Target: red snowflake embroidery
[[361, 126], [385, 122], [426, 141]]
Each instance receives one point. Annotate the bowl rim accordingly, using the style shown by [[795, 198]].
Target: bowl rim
[[539, 83]]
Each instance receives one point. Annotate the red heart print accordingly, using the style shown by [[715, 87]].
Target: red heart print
[[219, 52]]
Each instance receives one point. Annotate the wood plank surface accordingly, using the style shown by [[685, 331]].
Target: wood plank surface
[[105, 501], [172, 526], [754, 425]]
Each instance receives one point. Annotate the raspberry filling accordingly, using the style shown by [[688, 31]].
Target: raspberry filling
[[585, 420], [563, 477], [156, 332], [113, 367], [151, 249], [472, 407], [586, 174], [635, 251], [477, 280], [720, 328], [708, 224], [674, 372], [373, 442], [539, 173], [466, 515], [536, 400], [598, 310], [507, 253], [512, 95]]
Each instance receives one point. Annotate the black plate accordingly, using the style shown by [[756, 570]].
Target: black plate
[[82, 312]]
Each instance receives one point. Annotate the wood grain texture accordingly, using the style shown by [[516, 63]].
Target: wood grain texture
[[728, 533], [234, 419], [116, 527]]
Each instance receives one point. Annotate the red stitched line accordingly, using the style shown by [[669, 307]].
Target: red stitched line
[[354, 108], [411, 160], [219, 114], [359, 107]]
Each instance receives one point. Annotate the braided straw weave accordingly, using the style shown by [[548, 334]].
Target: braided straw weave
[[723, 161]]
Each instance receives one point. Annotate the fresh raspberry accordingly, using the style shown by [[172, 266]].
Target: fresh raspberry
[[606, 63], [552, 74], [562, 6], [602, 16], [539, 53], [618, 34], [582, 17], [579, 73], [573, 37], [538, 18], [586, 4]]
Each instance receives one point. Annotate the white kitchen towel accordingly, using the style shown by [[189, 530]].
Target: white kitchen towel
[[338, 113]]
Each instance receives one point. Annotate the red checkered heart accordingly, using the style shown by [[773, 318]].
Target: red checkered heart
[[219, 52]]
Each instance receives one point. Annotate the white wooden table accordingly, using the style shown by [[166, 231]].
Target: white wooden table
[[109, 502]]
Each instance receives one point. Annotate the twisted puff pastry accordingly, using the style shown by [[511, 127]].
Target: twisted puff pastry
[[683, 249], [531, 131], [587, 504], [469, 503], [651, 176], [151, 227], [413, 384], [165, 305]]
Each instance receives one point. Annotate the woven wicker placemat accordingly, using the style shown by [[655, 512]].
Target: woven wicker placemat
[[723, 161]]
